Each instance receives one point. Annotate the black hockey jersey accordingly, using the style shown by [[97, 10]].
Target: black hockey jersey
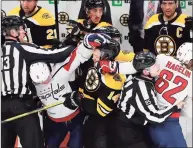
[[101, 92], [41, 27], [165, 37]]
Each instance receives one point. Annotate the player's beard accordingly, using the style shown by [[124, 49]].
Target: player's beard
[[27, 11], [170, 17]]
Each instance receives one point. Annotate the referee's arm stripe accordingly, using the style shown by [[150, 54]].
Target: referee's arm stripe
[[148, 114]]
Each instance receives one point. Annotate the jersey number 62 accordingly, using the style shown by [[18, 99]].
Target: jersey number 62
[[162, 84]]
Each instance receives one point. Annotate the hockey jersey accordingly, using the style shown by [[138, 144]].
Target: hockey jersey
[[41, 27], [61, 74], [174, 83], [101, 91], [165, 37]]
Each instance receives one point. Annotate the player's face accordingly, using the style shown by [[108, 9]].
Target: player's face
[[95, 14], [189, 65], [96, 55], [154, 70], [22, 34], [28, 5], [168, 8]]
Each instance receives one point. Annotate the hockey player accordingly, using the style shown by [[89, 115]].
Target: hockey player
[[100, 91], [94, 10], [173, 85], [106, 17], [52, 83], [165, 32], [139, 103], [16, 86], [40, 22]]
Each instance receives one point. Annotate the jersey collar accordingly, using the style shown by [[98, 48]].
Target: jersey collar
[[161, 18]]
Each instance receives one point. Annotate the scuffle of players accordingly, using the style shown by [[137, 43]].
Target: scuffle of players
[[111, 98]]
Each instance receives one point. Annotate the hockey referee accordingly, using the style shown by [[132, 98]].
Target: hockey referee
[[16, 88], [138, 103]]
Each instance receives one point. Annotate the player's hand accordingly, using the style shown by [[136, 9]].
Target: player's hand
[[189, 22], [73, 100], [181, 104], [56, 44], [77, 27], [95, 40], [105, 66]]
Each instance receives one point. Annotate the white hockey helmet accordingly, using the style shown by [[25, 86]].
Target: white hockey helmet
[[39, 72], [184, 53]]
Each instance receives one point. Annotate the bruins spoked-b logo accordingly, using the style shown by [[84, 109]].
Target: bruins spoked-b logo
[[124, 19], [165, 44], [63, 17], [92, 80]]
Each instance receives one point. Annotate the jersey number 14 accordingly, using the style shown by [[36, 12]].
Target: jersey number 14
[[162, 84]]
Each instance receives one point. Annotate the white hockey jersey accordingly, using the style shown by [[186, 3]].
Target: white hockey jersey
[[62, 73], [174, 83]]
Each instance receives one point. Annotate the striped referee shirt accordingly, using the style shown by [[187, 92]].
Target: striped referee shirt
[[16, 58], [139, 103]]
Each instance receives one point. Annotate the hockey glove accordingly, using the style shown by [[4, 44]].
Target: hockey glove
[[73, 100], [79, 27], [56, 44], [95, 40], [104, 66]]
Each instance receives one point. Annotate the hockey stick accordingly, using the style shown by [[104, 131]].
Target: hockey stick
[[31, 112]]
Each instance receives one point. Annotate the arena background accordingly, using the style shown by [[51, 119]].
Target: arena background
[[119, 12]]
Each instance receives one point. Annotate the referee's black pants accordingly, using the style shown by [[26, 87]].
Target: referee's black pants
[[27, 128], [126, 134]]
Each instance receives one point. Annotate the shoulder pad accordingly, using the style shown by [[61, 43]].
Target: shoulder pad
[[44, 18], [115, 81], [14, 11], [154, 20]]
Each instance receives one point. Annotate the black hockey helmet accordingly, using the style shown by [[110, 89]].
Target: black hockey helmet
[[110, 50], [143, 60], [10, 22], [89, 4], [110, 31]]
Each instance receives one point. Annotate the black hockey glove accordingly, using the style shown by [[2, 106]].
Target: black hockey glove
[[78, 27], [56, 44], [73, 100]]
